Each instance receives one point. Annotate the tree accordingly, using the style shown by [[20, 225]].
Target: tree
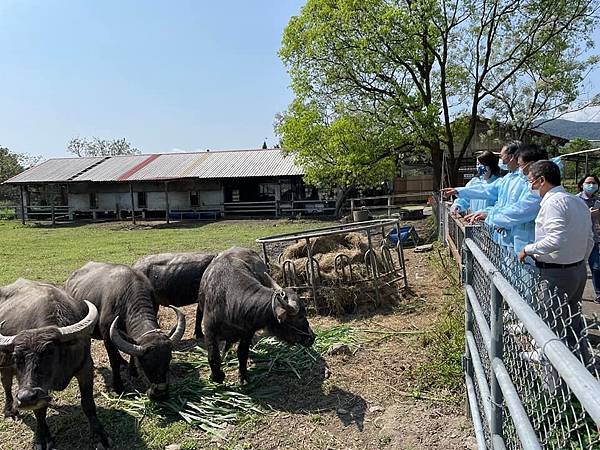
[[12, 164], [100, 147], [420, 64], [338, 149]]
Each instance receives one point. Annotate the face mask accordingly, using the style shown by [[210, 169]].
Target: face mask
[[481, 170], [535, 192], [502, 166], [590, 188]]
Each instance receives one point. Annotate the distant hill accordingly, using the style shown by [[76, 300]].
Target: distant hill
[[571, 130]]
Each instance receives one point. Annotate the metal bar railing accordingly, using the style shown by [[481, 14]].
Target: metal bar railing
[[537, 392]]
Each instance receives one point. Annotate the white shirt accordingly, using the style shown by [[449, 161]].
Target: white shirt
[[563, 229]]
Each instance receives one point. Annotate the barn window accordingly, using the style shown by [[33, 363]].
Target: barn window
[[93, 200], [194, 198], [142, 200]]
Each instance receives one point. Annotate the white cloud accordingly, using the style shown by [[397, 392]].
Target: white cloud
[[590, 114]]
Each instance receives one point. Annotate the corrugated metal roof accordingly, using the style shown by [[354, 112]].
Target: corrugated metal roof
[[60, 169], [222, 164]]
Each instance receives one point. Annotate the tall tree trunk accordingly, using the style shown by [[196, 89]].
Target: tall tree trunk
[[437, 158], [342, 195]]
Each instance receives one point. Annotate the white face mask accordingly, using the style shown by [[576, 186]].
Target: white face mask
[[534, 192]]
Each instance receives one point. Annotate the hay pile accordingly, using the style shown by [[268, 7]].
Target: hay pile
[[334, 296]]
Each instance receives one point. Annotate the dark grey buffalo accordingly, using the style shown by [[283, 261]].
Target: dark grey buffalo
[[127, 321], [175, 277], [237, 297], [45, 342]]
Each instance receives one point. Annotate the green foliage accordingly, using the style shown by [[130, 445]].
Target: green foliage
[[445, 343], [101, 147], [416, 66], [341, 148]]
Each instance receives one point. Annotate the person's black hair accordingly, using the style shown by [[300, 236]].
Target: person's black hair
[[513, 147], [587, 175], [547, 169], [532, 152], [487, 158]]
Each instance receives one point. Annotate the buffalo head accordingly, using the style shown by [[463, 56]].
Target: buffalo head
[[152, 352], [291, 325], [46, 359]]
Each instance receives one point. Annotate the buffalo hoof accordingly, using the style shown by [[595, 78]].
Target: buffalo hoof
[[218, 377], [47, 444], [244, 379], [105, 443], [11, 414]]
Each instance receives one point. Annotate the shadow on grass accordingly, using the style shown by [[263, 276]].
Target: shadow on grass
[[308, 395], [70, 428]]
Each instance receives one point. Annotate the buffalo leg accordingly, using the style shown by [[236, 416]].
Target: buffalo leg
[[132, 367], [198, 334], [214, 358], [116, 360], [43, 438], [85, 378], [7, 379], [242, 354]]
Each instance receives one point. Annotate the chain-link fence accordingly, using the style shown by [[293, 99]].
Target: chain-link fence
[[530, 368]]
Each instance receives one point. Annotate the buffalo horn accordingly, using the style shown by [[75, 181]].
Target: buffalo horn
[[5, 341], [291, 306], [126, 347], [70, 332], [82, 328], [176, 333]]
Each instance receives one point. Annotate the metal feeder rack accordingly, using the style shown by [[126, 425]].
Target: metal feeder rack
[[383, 259]]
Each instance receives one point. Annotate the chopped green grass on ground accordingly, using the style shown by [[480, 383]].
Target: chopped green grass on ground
[[212, 407]]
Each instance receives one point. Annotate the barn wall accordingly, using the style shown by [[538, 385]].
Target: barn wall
[[113, 196]]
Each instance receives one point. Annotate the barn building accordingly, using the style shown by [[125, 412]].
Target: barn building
[[199, 185]]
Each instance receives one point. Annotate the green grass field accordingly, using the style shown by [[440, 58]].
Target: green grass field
[[53, 253]]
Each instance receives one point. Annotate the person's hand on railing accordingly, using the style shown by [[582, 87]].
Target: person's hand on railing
[[447, 192], [476, 217], [522, 256]]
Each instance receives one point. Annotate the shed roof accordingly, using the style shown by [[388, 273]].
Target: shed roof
[[204, 165]]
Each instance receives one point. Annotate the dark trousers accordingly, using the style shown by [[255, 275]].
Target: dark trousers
[[561, 299], [594, 262]]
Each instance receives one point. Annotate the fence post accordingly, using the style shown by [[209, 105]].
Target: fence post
[[277, 208], [53, 215], [496, 349], [22, 204], [389, 205], [467, 276], [352, 207]]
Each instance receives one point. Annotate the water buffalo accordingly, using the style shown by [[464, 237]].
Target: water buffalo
[[237, 297], [175, 277], [45, 342], [127, 321]]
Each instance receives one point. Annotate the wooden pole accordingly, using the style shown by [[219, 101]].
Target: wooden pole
[[22, 204], [132, 203], [167, 201]]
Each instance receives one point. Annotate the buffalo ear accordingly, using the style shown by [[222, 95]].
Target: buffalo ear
[[280, 313]]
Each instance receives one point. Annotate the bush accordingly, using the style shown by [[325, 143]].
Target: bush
[[7, 214]]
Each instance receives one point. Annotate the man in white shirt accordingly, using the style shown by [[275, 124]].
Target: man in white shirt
[[563, 241]]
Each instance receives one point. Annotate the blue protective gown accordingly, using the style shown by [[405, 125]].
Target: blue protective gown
[[514, 209], [474, 205]]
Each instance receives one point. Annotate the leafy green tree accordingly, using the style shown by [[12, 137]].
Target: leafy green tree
[[419, 64], [339, 149], [101, 147], [12, 164]]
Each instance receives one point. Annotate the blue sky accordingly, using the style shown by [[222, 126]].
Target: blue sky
[[181, 75], [166, 75]]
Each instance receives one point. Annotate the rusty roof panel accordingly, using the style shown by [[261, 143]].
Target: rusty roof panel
[[55, 170]]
